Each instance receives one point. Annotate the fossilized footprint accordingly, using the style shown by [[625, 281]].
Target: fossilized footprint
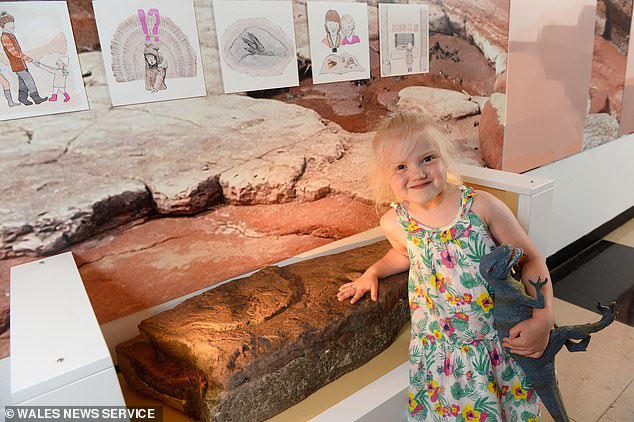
[[257, 47]]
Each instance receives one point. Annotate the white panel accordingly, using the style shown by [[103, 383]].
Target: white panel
[[55, 337], [503, 180], [383, 400], [534, 214], [593, 187], [100, 389]]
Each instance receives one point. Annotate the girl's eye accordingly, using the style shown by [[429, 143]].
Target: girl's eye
[[400, 167], [428, 159]]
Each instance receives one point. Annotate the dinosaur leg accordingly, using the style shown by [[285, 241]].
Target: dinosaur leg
[[580, 346]]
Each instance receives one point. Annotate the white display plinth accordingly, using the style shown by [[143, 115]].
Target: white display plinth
[[58, 353]]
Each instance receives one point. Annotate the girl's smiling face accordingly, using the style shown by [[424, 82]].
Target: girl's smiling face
[[421, 177]]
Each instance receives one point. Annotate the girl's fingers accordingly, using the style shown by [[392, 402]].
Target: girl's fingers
[[374, 292], [344, 294], [345, 286], [357, 296]]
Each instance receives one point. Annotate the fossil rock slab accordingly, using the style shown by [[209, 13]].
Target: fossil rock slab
[[253, 347]]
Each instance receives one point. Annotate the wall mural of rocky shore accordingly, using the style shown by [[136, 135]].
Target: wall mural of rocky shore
[[607, 112], [161, 199]]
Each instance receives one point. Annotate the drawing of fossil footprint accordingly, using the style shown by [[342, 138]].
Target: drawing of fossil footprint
[[340, 65], [128, 43], [257, 47]]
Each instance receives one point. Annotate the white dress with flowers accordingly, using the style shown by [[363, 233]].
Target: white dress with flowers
[[459, 370]]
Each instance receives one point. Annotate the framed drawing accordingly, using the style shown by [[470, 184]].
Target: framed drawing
[[338, 36], [150, 50], [39, 68], [404, 39], [256, 40]]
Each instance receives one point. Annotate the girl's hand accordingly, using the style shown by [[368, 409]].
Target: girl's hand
[[528, 338], [358, 288]]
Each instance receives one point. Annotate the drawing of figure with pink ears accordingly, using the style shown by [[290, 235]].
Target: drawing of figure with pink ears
[[61, 75]]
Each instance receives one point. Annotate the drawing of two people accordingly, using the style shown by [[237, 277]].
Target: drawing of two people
[[339, 30], [17, 61]]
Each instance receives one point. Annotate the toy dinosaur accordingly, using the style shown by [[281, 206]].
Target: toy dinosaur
[[512, 305]]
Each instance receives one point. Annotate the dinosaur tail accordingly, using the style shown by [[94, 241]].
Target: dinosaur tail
[[553, 402], [565, 335]]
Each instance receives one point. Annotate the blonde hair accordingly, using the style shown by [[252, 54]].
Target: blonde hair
[[395, 140]]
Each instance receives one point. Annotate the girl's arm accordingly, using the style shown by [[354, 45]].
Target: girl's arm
[[49, 69], [530, 337], [394, 262]]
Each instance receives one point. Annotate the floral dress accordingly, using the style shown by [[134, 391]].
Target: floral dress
[[458, 368]]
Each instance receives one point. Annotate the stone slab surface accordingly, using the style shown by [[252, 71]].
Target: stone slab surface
[[113, 165], [248, 349]]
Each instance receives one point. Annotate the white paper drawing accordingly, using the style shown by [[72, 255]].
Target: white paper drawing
[[39, 67], [150, 50], [257, 44], [340, 64], [404, 39], [338, 35]]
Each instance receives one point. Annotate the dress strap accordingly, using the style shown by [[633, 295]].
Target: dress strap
[[468, 196], [411, 227], [401, 213]]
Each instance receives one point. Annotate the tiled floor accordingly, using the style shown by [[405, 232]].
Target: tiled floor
[[603, 272], [597, 385], [605, 373]]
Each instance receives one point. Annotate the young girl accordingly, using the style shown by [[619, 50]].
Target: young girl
[[60, 72], [459, 369]]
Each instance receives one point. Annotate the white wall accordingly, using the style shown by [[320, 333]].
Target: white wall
[[591, 188]]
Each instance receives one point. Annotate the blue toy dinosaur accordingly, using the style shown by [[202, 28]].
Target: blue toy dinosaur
[[512, 305]]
